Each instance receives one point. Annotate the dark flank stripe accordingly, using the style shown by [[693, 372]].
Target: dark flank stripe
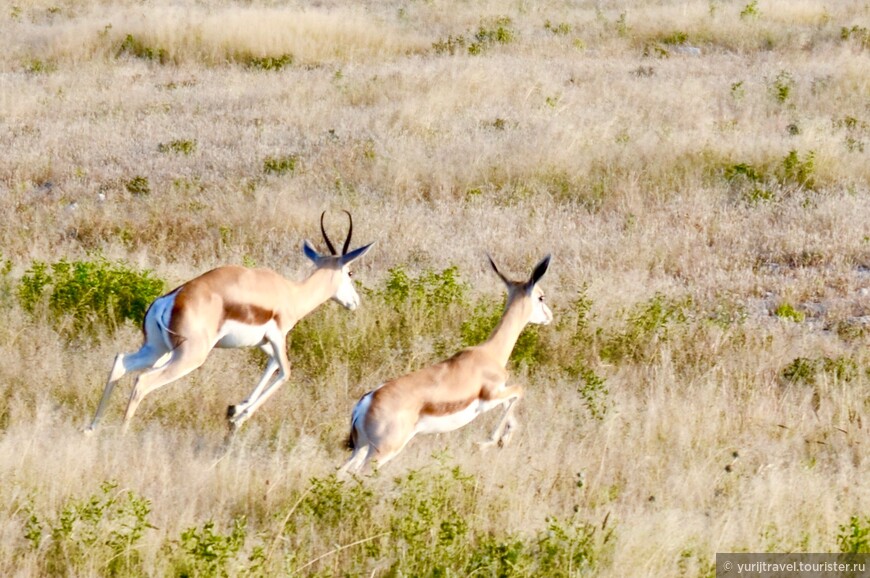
[[247, 314], [442, 408]]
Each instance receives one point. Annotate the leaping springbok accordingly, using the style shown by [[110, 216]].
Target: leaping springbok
[[450, 394], [232, 307]]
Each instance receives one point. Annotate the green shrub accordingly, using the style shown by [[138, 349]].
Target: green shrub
[[268, 63], [591, 387], [451, 45], [138, 186], [204, 552], [413, 311], [787, 311], [431, 291], [103, 531], [332, 502], [421, 307], [499, 31], [782, 86], [566, 549], [134, 46], [750, 10], [280, 165], [648, 324], [854, 537], [501, 557], [561, 29], [87, 296], [743, 170], [858, 34], [429, 527], [180, 146], [807, 370], [795, 171], [38, 66]]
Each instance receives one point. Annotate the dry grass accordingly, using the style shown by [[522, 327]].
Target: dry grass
[[735, 180]]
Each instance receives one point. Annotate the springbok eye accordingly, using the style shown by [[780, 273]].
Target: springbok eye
[[541, 298], [350, 273]]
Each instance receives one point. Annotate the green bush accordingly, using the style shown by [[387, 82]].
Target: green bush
[[86, 297], [101, 531], [180, 146], [430, 291], [138, 186], [280, 165], [795, 171], [648, 324], [854, 537], [204, 552], [591, 387], [422, 307], [268, 63], [499, 31], [782, 86], [859, 34], [787, 311], [133, 46], [422, 523], [429, 526], [807, 370], [332, 502], [750, 10]]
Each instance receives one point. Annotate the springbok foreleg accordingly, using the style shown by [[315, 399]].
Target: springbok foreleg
[[271, 368], [502, 433], [279, 358]]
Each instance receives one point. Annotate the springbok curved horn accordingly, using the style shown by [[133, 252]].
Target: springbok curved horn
[[325, 236], [497, 272], [349, 233]]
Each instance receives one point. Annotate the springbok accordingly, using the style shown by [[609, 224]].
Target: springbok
[[232, 307], [450, 394]]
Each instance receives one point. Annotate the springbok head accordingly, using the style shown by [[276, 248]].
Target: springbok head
[[339, 264], [528, 290]]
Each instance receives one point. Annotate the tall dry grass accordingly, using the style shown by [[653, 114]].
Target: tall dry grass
[[727, 188]]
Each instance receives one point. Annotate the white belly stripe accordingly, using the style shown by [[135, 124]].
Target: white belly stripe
[[235, 334], [453, 421]]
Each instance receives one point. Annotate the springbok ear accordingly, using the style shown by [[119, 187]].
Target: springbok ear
[[310, 252], [355, 254], [504, 279], [539, 271]]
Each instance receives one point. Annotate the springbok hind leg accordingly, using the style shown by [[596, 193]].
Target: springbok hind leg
[[185, 359], [148, 356], [356, 460]]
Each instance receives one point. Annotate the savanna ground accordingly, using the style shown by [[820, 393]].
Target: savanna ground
[[698, 169]]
